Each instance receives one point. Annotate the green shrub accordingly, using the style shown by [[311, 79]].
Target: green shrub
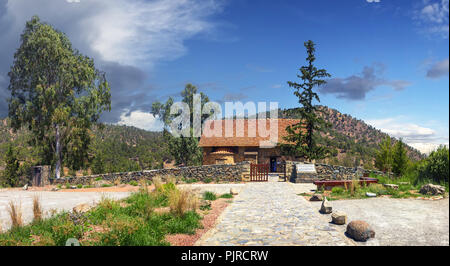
[[436, 166], [337, 190], [209, 195], [226, 196], [79, 186], [133, 183], [207, 180]]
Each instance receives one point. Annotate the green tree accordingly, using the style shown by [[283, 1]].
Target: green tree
[[303, 134], [11, 173], [383, 160], [400, 159], [57, 92], [436, 166], [185, 150]]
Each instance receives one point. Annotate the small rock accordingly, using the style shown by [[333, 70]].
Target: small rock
[[339, 218], [326, 206], [403, 183], [55, 189], [73, 187], [316, 197], [233, 192], [430, 189], [81, 208], [360, 231], [372, 195], [392, 186], [25, 187]]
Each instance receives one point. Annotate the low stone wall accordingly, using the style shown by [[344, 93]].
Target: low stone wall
[[327, 172], [217, 173]]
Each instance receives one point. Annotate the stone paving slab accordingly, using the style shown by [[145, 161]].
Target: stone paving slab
[[272, 214], [50, 201]]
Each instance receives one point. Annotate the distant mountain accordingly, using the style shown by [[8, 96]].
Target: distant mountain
[[352, 139]]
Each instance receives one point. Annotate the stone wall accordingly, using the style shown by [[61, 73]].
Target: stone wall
[[327, 172], [218, 173]]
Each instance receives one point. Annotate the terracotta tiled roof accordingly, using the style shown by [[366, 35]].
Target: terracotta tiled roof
[[245, 140]]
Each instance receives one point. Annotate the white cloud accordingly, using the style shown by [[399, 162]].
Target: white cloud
[[141, 120], [129, 32], [142, 32], [434, 16], [422, 138], [426, 147]]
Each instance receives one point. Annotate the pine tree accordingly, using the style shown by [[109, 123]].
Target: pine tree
[[400, 158], [10, 175], [304, 134], [383, 160]]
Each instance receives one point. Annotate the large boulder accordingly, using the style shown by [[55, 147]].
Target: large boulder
[[326, 206], [360, 231], [430, 189], [339, 218], [316, 197], [233, 191]]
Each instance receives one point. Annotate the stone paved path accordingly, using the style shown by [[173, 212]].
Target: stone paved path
[[272, 214]]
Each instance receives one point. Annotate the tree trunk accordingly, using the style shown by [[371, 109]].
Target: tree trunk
[[58, 154]]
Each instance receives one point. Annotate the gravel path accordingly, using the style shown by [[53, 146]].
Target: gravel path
[[49, 201], [400, 222], [272, 214]]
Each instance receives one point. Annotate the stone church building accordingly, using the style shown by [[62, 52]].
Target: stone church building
[[245, 146]]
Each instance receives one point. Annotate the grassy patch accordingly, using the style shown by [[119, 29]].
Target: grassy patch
[[209, 196], [130, 222], [406, 189], [226, 196]]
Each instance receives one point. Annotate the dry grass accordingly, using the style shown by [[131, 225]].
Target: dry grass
[[117, 181], [37, 209], [143, 185], [15, 213], [180, 201], [171, 179], [158, 183], [354, 186]]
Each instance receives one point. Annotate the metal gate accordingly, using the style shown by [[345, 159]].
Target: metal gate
[[259, 172]]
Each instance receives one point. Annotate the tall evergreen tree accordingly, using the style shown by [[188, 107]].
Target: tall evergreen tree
[[383, 160], [57, 92], [10, 175], [303, 134], [399, 158]]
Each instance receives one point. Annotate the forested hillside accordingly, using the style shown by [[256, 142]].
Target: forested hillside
[[354, 142], [113, 148]]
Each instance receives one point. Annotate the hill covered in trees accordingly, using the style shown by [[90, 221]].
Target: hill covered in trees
[[113, 148], [354, 142]]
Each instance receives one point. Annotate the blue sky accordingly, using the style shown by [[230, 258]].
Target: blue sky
[[388, 59]]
